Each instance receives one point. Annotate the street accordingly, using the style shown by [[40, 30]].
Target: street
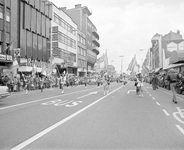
[[83, 118]]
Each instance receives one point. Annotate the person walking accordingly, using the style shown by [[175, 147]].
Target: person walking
[[172, 78], [42, 83], [85, 81], [105, 83], [154, 82], [140, 85], [98, 81], [61, 83], [26, 82]]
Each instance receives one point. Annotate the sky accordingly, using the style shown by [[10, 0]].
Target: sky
[[126, 27]]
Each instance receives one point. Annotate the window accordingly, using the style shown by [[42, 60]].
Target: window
[[54, 37], [8, 15], [54, 44], [1, 12]]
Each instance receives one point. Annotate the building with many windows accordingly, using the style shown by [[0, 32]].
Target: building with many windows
[[82, 53], [80, 16], [5, 35], [35, 23], [156, 52], [64, 41]]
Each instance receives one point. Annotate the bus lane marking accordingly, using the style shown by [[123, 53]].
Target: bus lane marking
[[179, 115], [180, 128], [60, 102], [49, 129], [21, 104]]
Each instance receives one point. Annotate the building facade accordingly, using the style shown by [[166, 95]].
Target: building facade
[[166, 50], [80, 16], [82, 53], [5, 35], [156, 52], [64, 41], [35, 24], [173, 50]]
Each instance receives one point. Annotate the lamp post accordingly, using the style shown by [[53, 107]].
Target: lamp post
[[121, 62]]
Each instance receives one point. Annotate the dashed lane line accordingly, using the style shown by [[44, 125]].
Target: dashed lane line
[[180, 128], [167, 114], [158, 103], [153, 98]]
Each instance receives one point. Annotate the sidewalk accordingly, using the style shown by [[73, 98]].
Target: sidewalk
[[169, 91]]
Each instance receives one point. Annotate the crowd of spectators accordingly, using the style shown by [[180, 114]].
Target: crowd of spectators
[[161, 80], [33, 82]]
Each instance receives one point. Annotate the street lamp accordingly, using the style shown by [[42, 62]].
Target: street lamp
[[121, 62]]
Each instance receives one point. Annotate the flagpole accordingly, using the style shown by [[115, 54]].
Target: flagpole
[[58, 70]]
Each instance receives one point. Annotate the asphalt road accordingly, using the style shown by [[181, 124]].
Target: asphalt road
[[83, 118]]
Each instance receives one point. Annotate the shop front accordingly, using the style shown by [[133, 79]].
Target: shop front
[[82, 72]]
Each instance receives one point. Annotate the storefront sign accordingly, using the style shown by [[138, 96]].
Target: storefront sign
[[9, 57], [2, 57]]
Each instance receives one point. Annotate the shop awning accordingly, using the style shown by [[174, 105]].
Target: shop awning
[[177, 57]]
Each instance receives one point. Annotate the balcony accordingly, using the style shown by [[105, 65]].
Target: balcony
[[95, 33], [95, 49], [95, 41]]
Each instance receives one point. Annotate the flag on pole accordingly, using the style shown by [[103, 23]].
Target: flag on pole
[[133, 67], [34, 69], [145, 65], [105, 60], [100, 62], [130, 65], [43, 70]]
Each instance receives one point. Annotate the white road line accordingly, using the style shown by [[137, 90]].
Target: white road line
[[153, 98], [42, 99], [150, 95], [180, 128], [158, 103], [167, 114], [42, 133]]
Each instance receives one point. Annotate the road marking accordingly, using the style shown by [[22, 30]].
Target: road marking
[[43, 99], [130, 91], [180, 128], [42, 133], [167, 114], [153, 98], [179, 115], [158, 103], [87, 94], [150, 95]]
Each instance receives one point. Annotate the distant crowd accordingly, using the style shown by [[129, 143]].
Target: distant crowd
[[39, 81]]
